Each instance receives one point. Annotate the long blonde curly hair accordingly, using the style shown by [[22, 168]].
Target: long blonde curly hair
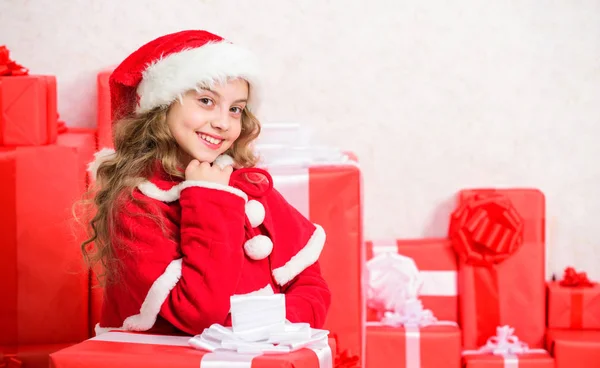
[[140, 141]]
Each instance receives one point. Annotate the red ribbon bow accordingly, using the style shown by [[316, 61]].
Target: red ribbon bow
[[343, 359], [572, 278], [9, 67], [486, 229]]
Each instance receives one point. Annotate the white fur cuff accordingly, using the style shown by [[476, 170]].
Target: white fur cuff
[[211, 185]]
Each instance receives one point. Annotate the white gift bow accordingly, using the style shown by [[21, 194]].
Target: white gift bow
[[292, 337], [393, 279], [505, 344]]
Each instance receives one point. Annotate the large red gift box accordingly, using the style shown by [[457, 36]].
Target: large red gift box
[[28, 115], [131, 350], [573, 307], [574, 348], [501, 280], [330, 195], [42, 279], [413, 347], [437, 264]]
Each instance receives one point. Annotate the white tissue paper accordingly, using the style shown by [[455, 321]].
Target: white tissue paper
[[259, 326]]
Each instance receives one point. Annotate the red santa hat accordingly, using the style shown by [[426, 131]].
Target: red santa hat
[[163, 69]]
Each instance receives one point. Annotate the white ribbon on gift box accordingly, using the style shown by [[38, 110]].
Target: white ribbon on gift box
[[432, 283], [507, 345]]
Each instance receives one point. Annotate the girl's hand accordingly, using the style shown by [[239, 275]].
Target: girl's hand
[[205, 172]]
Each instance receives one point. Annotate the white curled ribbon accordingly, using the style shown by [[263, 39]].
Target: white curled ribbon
[[393, 279]]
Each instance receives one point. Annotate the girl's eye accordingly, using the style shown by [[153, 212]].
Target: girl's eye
[[206, 101], [236, 110]]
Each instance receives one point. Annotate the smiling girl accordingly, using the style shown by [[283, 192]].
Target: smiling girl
[[183, 220]]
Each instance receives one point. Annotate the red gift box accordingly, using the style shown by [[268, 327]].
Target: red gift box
[[28, 115], [43, 282], [84, 144], [526, 360], [130, 350], [413, 347], [330, 195], [504, 350], [104, 116], [28, 356], [575, 306], [574, 349], [437, 264], [499, 237]]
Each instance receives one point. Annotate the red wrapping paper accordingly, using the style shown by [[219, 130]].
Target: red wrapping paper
[[439, 347], [28, 115], [526, 360], [104, 119], [330, 195], [84, 144], [574, 349], [511, 292], [573, 307], [95, 353], [436, 260], [44, 285]]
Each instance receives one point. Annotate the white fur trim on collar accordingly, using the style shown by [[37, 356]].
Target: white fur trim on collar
[[303, 259], [151, 190], [169, 77], [158, 293], [101, 156]]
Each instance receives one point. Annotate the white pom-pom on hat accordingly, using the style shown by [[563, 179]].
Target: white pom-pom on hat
[[258, 247]]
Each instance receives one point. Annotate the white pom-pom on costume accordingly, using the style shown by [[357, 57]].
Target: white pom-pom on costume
[[258, 247], [101, 156], [255, 212], [223, 160]]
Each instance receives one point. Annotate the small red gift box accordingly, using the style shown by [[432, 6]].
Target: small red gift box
[[525, 360], [28, 115], [504, 350], [413, 347], [499, 237], [574, 302], [574, 349], [131, 350], [437, 264]]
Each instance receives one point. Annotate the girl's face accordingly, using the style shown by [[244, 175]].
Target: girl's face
[[205, 124]]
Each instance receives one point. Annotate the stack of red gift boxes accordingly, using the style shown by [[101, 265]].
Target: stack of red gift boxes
[[481, 294], [43, 284]]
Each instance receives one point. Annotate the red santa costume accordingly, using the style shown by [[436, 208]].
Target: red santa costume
[[217, 240]]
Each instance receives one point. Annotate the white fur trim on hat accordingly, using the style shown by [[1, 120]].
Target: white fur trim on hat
[[258, 247], [255, 212], [101, 156], [303, 259], [166, 79]]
